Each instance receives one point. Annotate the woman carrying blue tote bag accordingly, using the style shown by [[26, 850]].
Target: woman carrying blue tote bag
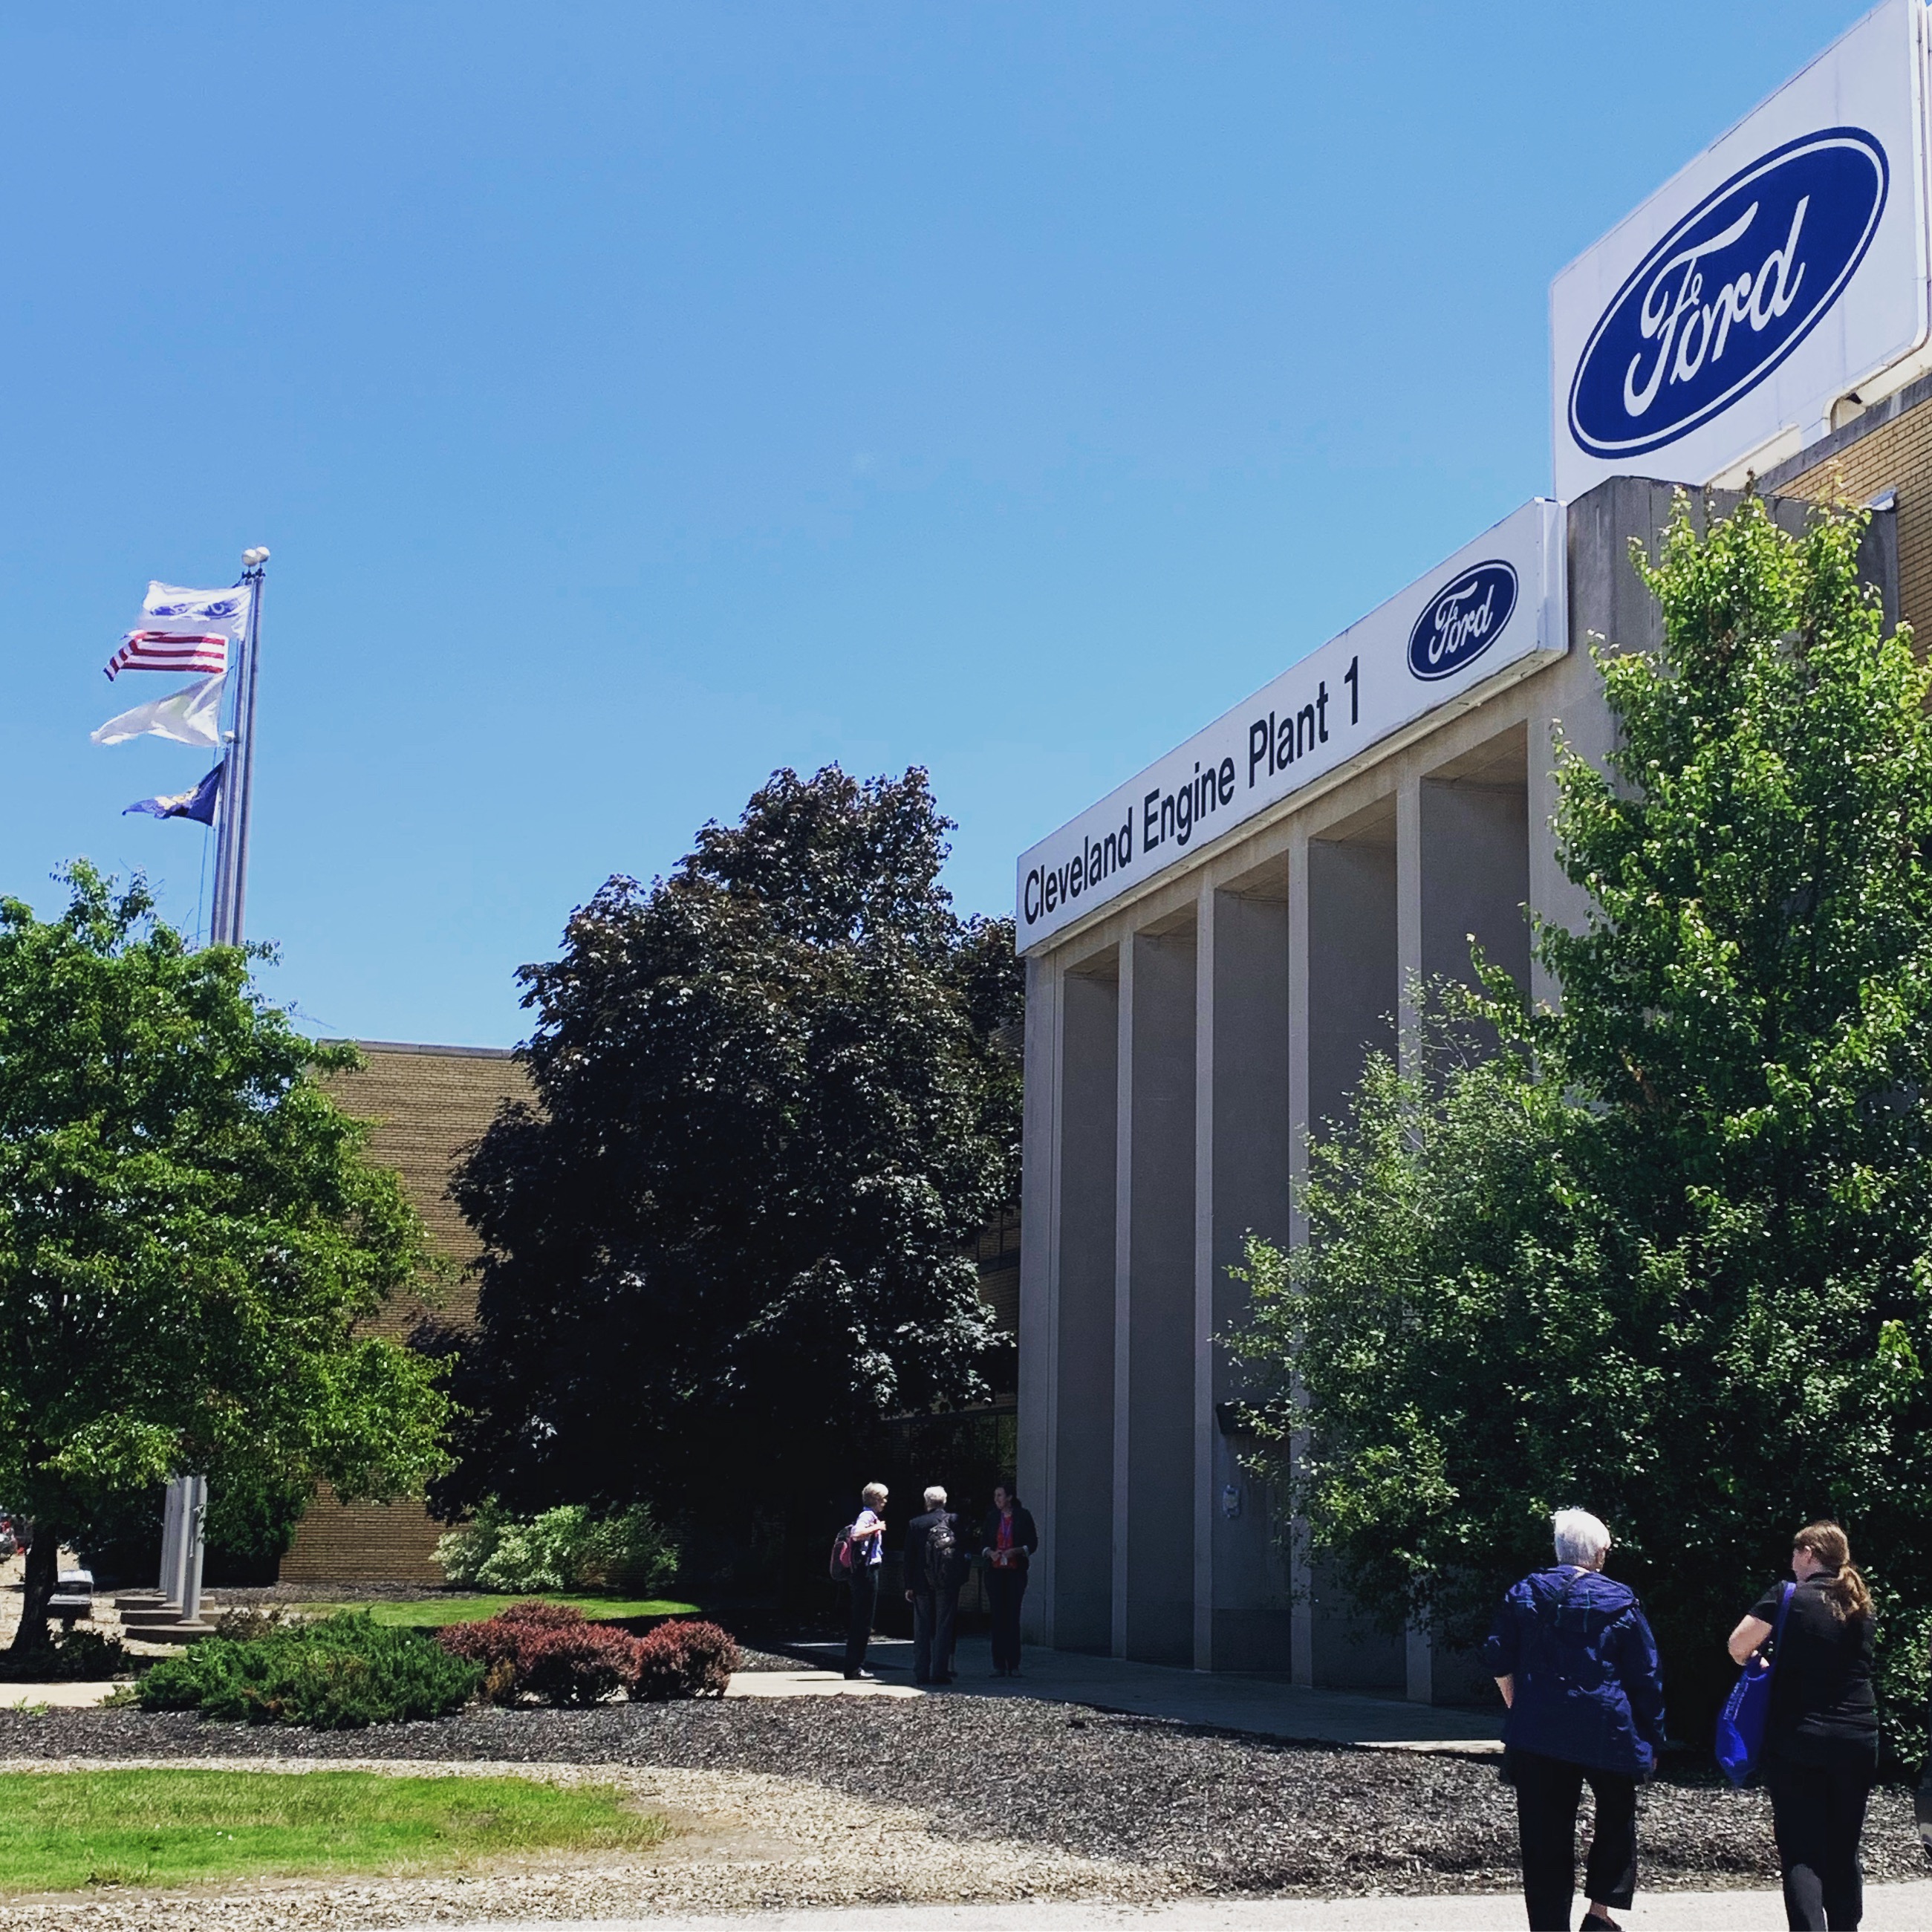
[[1741, 1727]]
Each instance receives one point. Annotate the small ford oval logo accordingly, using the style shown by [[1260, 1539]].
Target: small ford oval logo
[[1729, 292], [1463, 619]]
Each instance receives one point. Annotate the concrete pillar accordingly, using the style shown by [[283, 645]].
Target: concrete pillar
[[1036, 1425], [1300, 1581], [1074, 1584], [1470, 858], [1355, 989], [194, 1523], [1474, 864], [1417, 1651], [1241, 1617], [171, 1530], [1153, 1379]]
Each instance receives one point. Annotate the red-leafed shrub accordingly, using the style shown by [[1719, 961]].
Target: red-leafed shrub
[[550, 1650], [582, 1665], [683, 1659]]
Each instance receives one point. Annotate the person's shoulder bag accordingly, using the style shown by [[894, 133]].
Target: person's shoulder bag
[[1741, 1725]]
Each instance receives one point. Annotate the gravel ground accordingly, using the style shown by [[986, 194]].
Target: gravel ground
[[1200, 1810]]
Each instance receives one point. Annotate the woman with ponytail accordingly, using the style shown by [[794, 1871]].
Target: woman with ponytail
[[1821, 1736]]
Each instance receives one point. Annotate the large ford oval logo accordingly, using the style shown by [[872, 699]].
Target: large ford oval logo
[[1463, 620], [1729, 293]]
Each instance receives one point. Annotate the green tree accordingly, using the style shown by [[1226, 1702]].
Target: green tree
[[1669, 1254], [729, 1234], [189, 1231]]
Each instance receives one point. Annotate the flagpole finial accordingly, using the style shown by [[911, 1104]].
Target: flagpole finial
[[254, 559]]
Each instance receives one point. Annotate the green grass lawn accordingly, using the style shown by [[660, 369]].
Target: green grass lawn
[[60, 1831], [426, 1612]]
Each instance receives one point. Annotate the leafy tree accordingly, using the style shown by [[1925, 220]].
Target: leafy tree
[[729, 1234], [1669, 1254], [189, 1230]]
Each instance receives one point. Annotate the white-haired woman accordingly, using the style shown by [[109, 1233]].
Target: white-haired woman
[[1572, 1654], [868, 1536]]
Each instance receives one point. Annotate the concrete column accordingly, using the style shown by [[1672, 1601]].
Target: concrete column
[[194, 1526], [1300, 1583], [1417, 1651], [1039, 1419], [1154, 1611], [1550, 894], [1123, 1303], [1475, 867], [171, 1530], [1354, 925], [1472, 859], [1073, 1583], [1207, 936], [1241, 1615]]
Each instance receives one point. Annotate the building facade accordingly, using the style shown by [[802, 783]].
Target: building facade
[[425, 1105], [1212, 951]]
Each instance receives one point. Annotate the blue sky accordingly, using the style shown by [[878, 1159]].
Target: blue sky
[[638, 398]]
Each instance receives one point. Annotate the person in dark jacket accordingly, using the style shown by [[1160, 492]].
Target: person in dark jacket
[[1821, 1732], [1011, 1543], [1572, 1654], [934, 1571]]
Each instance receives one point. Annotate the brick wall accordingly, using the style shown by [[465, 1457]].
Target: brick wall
[[428, 1103], [1887, 447]]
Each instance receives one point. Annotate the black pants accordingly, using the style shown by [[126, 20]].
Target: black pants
[[933, 1611], [864, 1601], [1819, 1817], [1548, 1791], [1006, 1588]]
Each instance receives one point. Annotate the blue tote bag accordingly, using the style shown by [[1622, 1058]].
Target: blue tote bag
[[1740, 1728]]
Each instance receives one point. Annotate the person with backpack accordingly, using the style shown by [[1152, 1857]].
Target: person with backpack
[[1572, 1654], [933, 1573], [1820, 1754], [858, 1553]]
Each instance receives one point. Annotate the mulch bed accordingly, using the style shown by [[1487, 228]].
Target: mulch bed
[[1232, 1813]]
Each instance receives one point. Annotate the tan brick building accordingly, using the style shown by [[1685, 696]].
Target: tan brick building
[[428, 1104]]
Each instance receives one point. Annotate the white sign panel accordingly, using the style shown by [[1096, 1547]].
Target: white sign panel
[[1783, 267], [1495, 602]]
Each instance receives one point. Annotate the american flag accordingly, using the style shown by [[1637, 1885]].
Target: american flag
[[183, 631]]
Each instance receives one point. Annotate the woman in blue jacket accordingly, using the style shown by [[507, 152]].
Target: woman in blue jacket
[[1574, 1657]]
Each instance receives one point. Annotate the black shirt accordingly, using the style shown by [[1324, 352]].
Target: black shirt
[[1823, 1709]]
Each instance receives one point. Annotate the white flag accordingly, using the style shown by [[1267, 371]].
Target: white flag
[[184, 630], [190, 717]]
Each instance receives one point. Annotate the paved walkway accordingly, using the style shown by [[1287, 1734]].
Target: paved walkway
[[1888, 1908], [64, 1696], [1270, 1706]]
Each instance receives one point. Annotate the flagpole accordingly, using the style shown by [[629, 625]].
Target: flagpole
[[245, 790], [231, 849]]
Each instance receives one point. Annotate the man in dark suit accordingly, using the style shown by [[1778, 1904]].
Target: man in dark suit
[[934, 1572], [1011, 1543]]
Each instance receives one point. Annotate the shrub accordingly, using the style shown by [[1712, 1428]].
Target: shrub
[[338, 1673], [552, 1651], [80, 1656], [576, 1666], [684, 1660], [568, 1548]]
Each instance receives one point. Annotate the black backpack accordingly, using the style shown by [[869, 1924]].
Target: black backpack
[[942, 1551]]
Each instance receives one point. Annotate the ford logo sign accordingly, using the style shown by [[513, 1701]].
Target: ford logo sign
[[1729, 293], [1463, 620]]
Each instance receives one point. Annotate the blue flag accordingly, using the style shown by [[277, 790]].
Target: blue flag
[[198, 804]]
